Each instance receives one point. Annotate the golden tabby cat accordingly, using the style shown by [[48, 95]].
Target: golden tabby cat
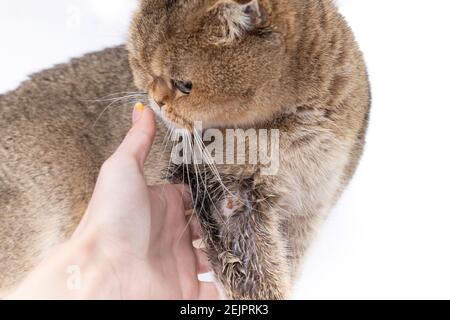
[[290, 65]]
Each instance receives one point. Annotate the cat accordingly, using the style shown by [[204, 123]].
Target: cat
[[287, 65]]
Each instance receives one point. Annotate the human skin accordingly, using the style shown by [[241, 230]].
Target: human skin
[[134, 241]]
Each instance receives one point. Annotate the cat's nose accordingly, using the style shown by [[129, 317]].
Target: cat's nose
[[161, 91], [160, 103]]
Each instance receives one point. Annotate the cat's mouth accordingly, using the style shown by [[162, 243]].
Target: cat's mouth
[[170, 118]]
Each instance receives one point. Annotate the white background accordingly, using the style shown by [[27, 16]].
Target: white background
[[389, 236]]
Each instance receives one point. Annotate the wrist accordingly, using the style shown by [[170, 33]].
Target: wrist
[[72, 270], [89, 272]]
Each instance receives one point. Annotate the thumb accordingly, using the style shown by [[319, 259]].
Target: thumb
[[140, 138]]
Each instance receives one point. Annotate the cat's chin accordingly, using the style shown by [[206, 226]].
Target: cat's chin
[[172, 125], [167, 119]]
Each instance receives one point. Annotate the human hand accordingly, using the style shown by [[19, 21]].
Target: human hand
[[134, 241]]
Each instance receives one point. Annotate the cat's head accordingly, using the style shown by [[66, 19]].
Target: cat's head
[[221, 62]]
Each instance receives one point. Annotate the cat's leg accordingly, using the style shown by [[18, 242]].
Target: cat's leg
[[299, 232], [258, 230], [254, 238], [243, 234]]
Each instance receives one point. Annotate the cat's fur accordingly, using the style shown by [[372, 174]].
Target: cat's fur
[[287, 65]]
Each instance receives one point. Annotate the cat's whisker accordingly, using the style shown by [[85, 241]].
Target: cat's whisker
[[168, 165], [185, 161], [214, 169], [210, 163], [103, 112], [202, 149], [131, 99], [198, 175], [143, 96], [112, 95], [194, 202], [186, 139], [167, 138], [186, 173], [192, 152]]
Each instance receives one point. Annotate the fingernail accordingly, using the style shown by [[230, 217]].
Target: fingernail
[[137, 112], [199, 244]]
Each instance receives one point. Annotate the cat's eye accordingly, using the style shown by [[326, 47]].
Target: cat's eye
[[183, 86]]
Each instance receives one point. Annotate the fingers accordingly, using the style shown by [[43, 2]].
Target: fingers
[[170, 201], [199, 245], [195, 227], [208, 291], [202, 261], [140, 138], [186, 196], [172, 192]]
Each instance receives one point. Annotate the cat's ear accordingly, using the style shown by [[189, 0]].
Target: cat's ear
[[236, 18]]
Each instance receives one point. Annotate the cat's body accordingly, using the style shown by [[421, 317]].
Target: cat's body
[[51, 148]]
